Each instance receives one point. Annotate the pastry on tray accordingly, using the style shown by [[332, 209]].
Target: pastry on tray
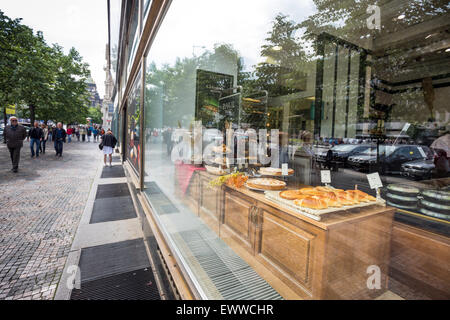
[[273, 171], [361, 196], [266, 184], [311, 203], [292, 195]]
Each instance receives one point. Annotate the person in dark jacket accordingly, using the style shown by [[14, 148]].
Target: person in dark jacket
[[35, 134], [14, 135], [109, 143], [59, 136]]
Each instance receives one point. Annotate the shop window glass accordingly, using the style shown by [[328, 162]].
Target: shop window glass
[[298, 88], [133, 125]]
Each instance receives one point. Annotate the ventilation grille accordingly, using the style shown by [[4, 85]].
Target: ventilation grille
[[233, 278], [134, 285]]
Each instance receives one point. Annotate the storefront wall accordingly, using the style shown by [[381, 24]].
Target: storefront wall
[[315, 83]]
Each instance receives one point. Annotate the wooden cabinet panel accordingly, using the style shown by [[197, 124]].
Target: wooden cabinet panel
[[287, 247], [238, 217], [354, 249], [209, 199], [421, 261]]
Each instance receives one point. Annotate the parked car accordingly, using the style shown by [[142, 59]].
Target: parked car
[[423, 169], [391, 158], [341, 153]]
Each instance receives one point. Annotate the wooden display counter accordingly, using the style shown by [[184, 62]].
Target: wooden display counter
[[327, 259]]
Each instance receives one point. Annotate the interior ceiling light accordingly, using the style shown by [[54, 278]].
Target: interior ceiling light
[[447, 50]]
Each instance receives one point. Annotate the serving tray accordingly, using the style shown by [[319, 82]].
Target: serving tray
[[313, 213]]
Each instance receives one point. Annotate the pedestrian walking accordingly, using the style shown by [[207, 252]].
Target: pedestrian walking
[[35, 135], [77, 132], [14, 134], [109, 143], [44, 138], [69, 134], [83, 133], [95, 132], [59, 137], [102, 131], [89, 133]]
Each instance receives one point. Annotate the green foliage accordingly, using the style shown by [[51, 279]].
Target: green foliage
[[50, 83], [96, 115]]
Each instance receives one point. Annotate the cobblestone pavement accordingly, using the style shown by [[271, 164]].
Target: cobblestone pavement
[[40, 208]]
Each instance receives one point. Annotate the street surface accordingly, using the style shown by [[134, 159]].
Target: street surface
[[40, 209]]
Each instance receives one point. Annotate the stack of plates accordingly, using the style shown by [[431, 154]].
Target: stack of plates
[[436, 203], [402, 196]]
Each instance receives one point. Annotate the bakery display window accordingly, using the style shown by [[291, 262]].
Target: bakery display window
[[297, 154]]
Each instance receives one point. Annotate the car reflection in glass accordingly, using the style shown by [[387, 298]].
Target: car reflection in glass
[[341, 153], [425, 169], [391, 158]]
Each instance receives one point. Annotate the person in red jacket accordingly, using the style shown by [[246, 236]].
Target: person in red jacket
[[69, 134]]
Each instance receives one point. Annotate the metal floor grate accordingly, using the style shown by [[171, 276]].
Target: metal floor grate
[[113, 172], [232, 276], [133, 285], [113, 209], [114, 258], [112, 190]]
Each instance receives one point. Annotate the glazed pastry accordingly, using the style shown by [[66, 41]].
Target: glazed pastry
[[311, 203], [327, 189], [266, 184], [291, 194], [310, 191], [345, 201], [361, 196]]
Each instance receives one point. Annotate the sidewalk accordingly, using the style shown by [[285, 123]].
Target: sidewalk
[[40, 210]]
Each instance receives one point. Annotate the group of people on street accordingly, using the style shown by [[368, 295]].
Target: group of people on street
[[86, 132], [38, 135]]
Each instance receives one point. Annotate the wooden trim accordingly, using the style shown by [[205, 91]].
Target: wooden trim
[[422, 233], [175, 271], [132, 174], [422, 216], [141, 124]]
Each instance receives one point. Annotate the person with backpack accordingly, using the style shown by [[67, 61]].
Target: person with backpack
[[108, 143]]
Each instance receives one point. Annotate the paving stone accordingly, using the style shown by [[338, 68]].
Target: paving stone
[[41, 208]]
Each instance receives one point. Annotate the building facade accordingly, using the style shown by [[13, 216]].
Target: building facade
[[288, 150]]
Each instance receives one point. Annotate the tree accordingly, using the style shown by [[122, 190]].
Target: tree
[[96, 115], [51, 84], [14, 39]]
